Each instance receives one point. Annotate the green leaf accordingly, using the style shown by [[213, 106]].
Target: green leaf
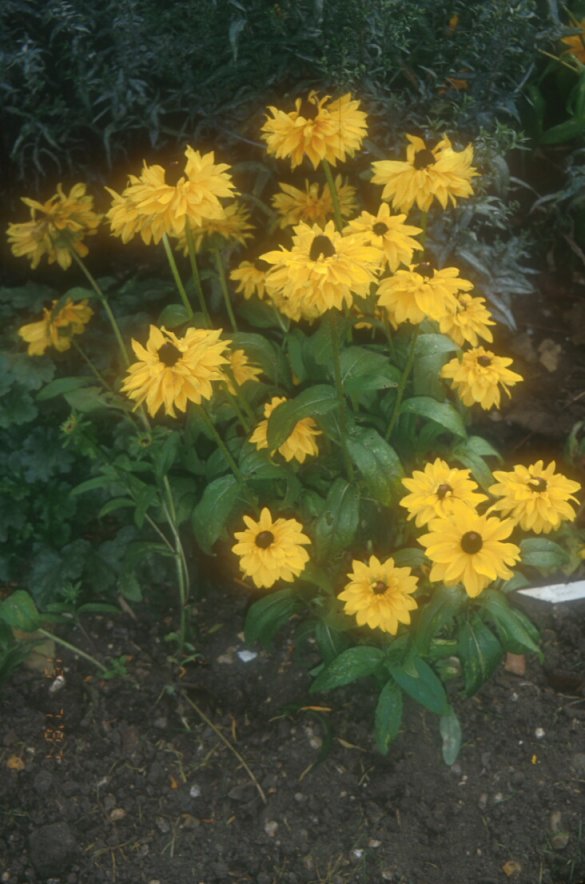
[[336, 526], [174, 315], [363, 370], [480, 653], [330, 641], [542, 553], [411, 557], [563, 132], [431, 352], [88, 399], [312, 402], [262, 352], [61, 386], [117, 503], [450, 728], [440, 610], [471, 454], [19, 611], [214, 509], [425, 687], [388, 716], [442, 413], [377, 461], [352, 664], [515, 631], [257, 465], [164, 457], [92, 485], [269, 614]]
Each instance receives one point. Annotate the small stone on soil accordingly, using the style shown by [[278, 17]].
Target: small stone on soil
[[52, 849]]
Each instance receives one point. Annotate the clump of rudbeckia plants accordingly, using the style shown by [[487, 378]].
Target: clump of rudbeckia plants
[[302, 408]]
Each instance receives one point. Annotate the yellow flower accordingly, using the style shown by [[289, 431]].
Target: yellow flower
[[301, 442], [435, 489], [321, 272], [57, 228], [389, 234], [250, 278], [234, 225], [421, 292], [466, 320], [241, 370], [535, 497], [467, 548], [318, 128], [57, 327], [478, 375], [379, 594], [439, 173], [173, 371], [271, 550], [313, 204], [151, 207], [576, 42]]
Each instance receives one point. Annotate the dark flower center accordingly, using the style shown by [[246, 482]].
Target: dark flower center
[[484, 361], [264, 539], [538, 484], [379, 587], [380, 228], [169, 355], [471, 542], [308, 110], [321, 245], [424, 158], [443, 490], [425, 268]]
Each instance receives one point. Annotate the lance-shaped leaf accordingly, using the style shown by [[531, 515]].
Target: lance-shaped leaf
[[352, 664], [542, 553], [19, 611], [262, 352], [214, 509], [312, 402], [377, 462], [442, 413], [421, 684], [61, 386], [336, 526], [450, 728], [388, 716], [515, 631], [269, 614], [480, 653]]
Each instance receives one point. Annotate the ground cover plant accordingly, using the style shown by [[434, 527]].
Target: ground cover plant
[[300, 409]]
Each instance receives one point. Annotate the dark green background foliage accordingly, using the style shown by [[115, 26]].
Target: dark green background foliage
[[91, 84]]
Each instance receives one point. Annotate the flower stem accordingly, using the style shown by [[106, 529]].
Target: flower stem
[[224, 288], [92, 367], [403, 382], [180, 561], [196, 275], [222, 446], [340, 394], [104, 302], [334, 194], [73, 649], [176, 276]]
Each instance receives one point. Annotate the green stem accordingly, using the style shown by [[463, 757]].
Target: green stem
[[221, 445], [73, 649], [241, 417], [340, 394], [180, 561], [104, 302], [241, 399], [93, 368], [176, 276], [334, 194], [196, 275], [403, 382], [224, 288]]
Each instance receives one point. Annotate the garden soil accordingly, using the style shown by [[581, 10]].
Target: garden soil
[[227, 770]]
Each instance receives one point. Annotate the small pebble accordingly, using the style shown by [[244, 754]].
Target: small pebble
[[271, 828], [539, 733], [247, 656]]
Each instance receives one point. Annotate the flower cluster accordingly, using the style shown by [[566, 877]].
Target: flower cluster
[[60, 322]]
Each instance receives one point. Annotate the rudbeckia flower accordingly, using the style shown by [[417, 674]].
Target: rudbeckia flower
[[434, 490], [300, 444], [250, 277], [57, 228], [152, 207], [421, 292], [271, 550], [575, 43], [241, 370], [318, 128], [389, 234], [313, 204], [467, 548], [478, 375], [322, 271], [379, 594], [173, 371], [535, 497], [57, 327], [233, 225], [466, 320], [427, 174]]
